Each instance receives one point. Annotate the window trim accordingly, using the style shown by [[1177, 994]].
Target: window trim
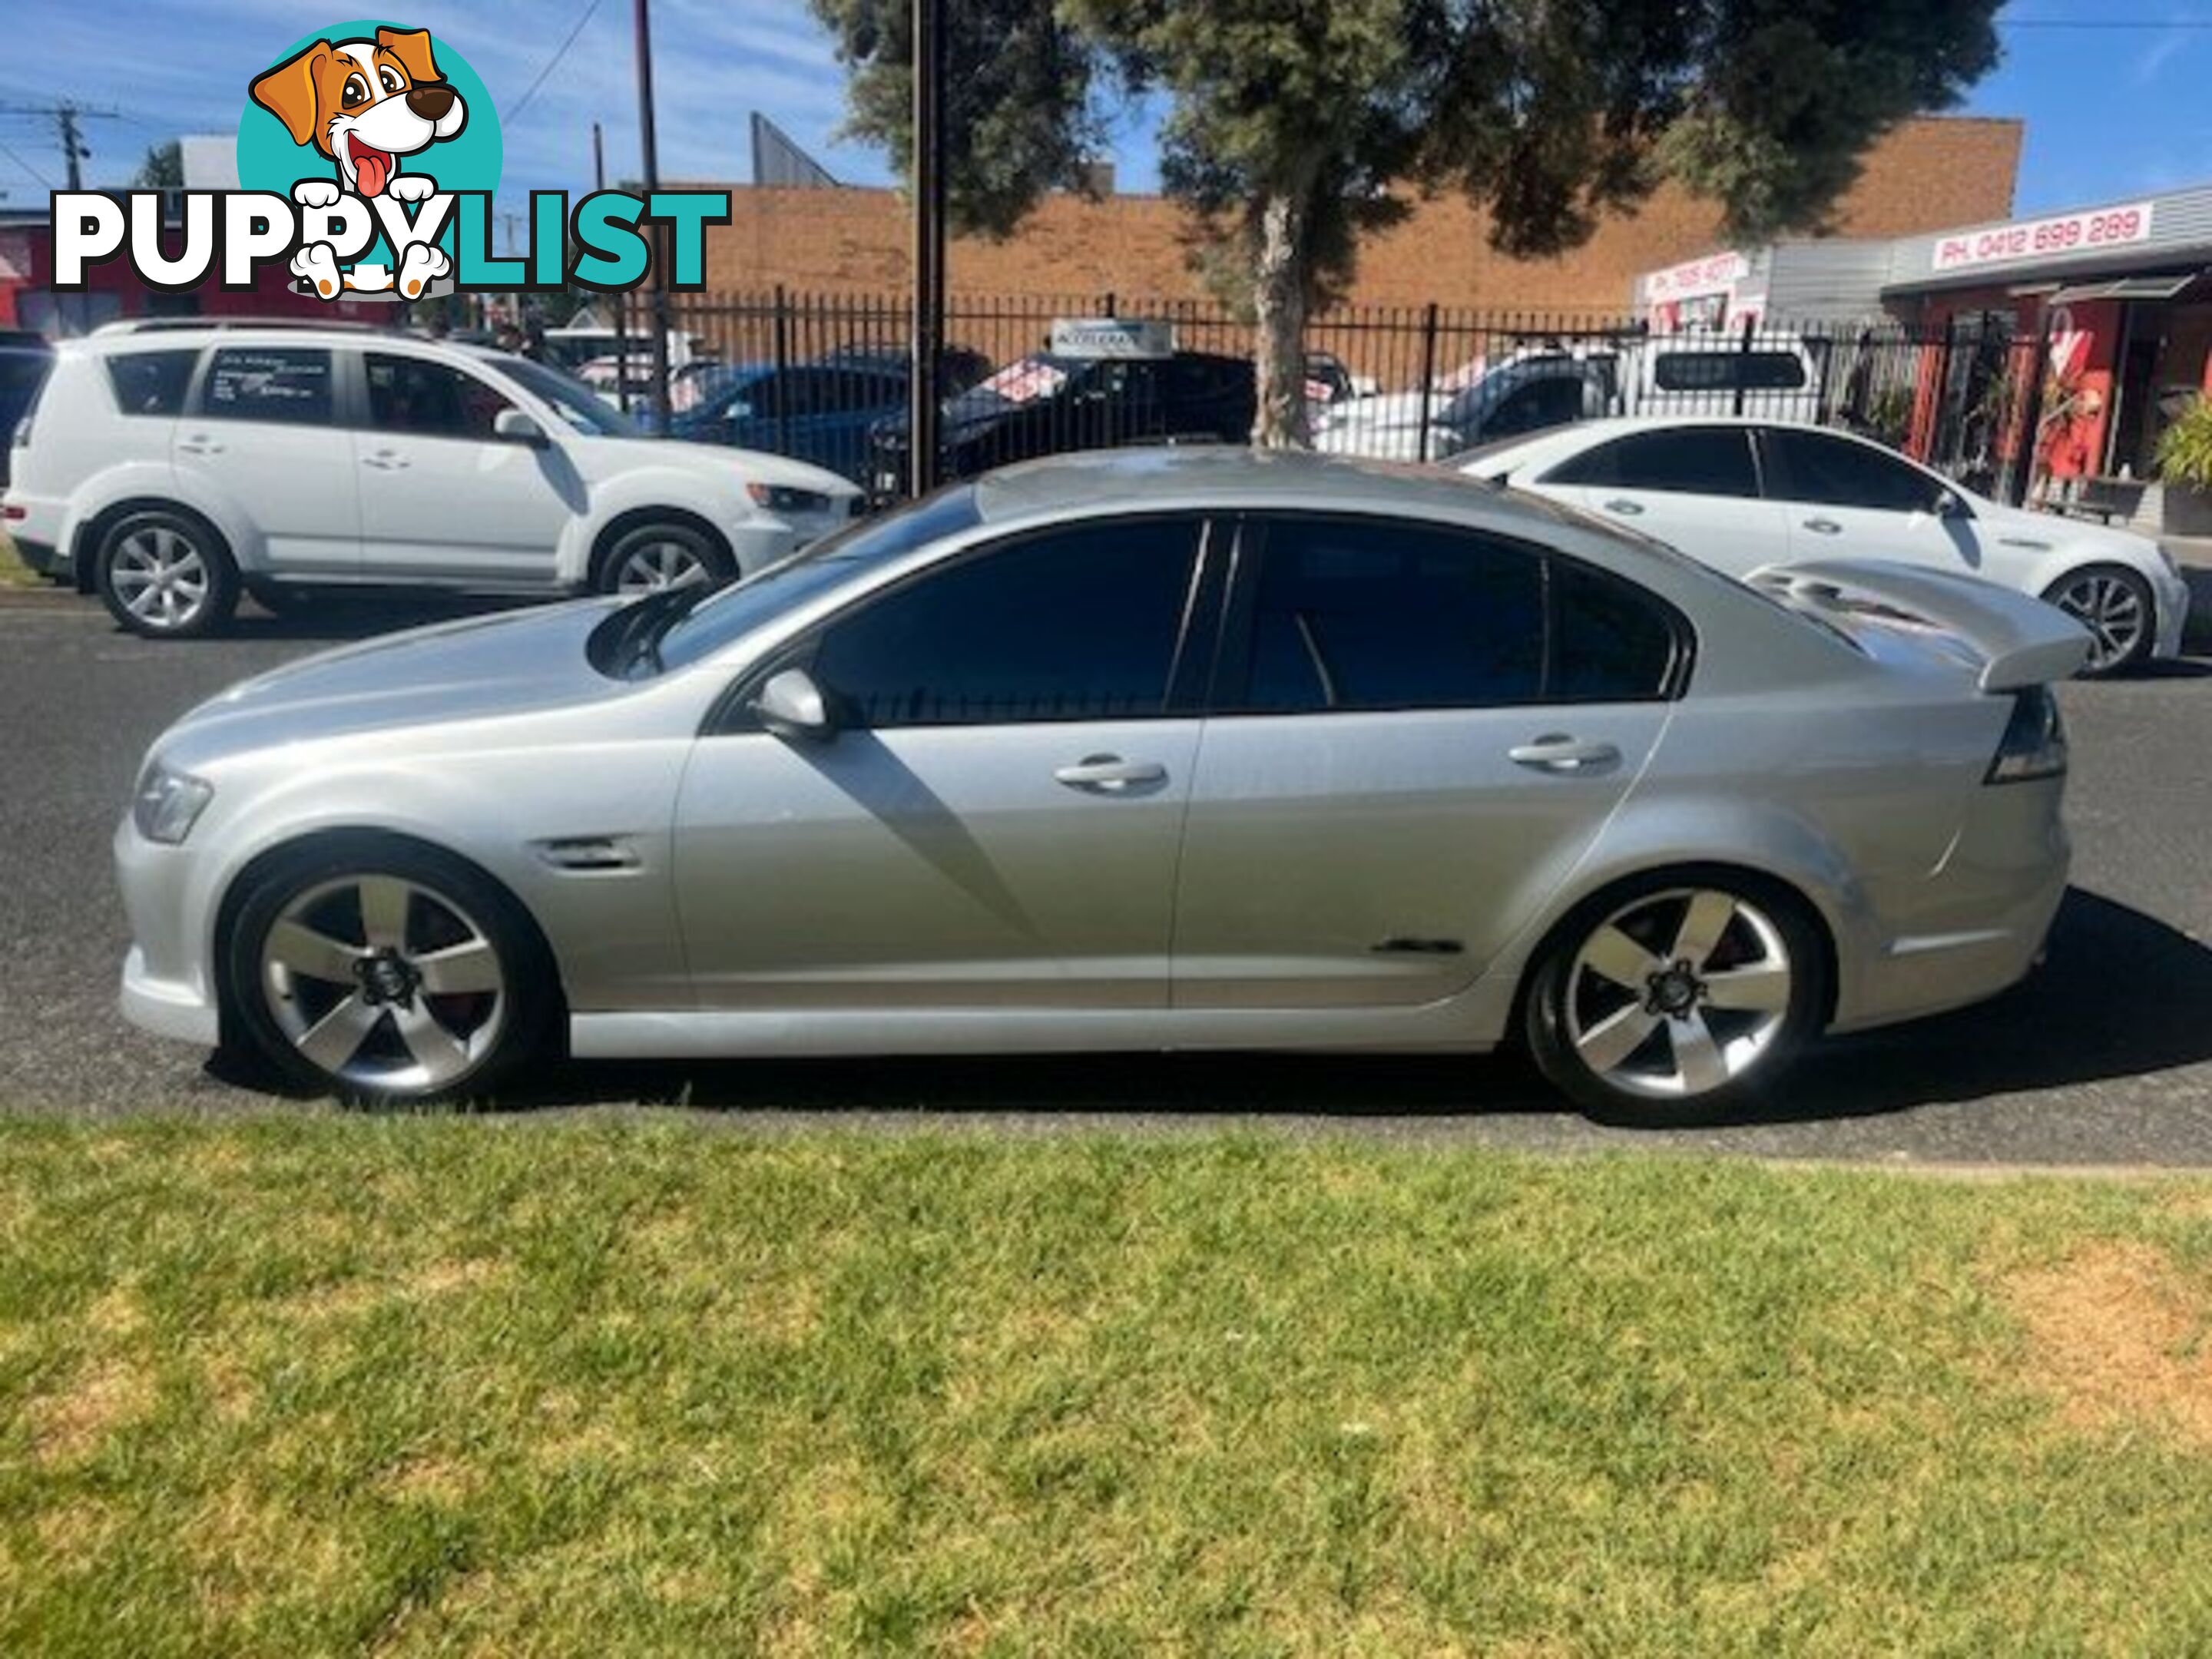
[[1774, 475], [1240, 622], [195, 405], [1190, 663]]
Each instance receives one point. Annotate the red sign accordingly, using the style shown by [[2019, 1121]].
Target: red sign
[[2036, 239]]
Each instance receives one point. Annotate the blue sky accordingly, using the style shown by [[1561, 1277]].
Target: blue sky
[[2110, 111]]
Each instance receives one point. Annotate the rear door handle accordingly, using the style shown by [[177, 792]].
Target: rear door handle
[[1109, 774], [1627, 509], [1824, 526], [386, 460], [1555, 751]]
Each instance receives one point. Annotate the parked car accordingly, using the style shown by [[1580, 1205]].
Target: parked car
[[1739, 495], [821, 412], [164, 469], [1170, 749], [1528, 391], [24, 360], [1047, 404], [1776, 376]]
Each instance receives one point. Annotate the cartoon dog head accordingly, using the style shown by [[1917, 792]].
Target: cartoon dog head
[[364, 103]]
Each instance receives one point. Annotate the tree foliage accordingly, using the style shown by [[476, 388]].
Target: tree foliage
[[162, 169], [1294, 126]]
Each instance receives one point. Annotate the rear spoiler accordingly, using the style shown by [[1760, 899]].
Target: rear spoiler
[[2015, 640]]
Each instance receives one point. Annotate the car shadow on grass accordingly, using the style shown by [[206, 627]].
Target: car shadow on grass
[[2122, 995]]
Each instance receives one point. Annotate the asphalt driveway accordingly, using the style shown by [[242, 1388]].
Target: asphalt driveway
[[2104, 1057]]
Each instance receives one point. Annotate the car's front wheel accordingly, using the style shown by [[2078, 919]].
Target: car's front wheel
[[388, 974], [1678, 998], [2115, 605], [652, 556], [165, 575]]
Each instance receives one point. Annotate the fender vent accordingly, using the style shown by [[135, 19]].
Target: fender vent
[[588, 854]]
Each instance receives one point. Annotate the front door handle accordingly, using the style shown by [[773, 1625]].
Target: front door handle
[[1824, 526], [1626, 509], [386, 460], [1109, 774], [198, 444], [1555, 751]]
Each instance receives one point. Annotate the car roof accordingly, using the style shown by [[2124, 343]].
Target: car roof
[[1229, 476]]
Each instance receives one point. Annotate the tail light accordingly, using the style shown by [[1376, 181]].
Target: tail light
[[2034, 741]]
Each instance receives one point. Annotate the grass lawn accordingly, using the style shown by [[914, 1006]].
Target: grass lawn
[[329, 1384], [14, 573]]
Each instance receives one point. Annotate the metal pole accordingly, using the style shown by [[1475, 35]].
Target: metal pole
[[1743, 363], [72, 151], [1428, 374], [652, 158], [783, 380], [621, 301], [928, 245]]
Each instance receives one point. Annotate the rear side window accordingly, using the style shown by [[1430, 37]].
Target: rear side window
[[289, 383], [1695, 460], [1612, 642], [1726, 371], [1353, 614], [151, 382]]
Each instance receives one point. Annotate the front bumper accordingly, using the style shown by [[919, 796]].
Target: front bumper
[[169, 985]]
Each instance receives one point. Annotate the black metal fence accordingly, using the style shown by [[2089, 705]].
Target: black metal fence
[[824, 378]]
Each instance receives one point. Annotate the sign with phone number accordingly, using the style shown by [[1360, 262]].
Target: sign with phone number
[[2069, 233]]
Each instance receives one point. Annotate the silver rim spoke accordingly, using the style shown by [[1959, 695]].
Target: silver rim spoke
[[661, 564], [1612, 1039], [333, 1041], [160, 577], [1718, 1020], [437, 1051], [2111, 612], [460, 971], [384, 901], [301, 950]]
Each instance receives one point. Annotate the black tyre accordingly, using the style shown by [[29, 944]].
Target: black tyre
[[166, 575], [282, 599], [652, 556], [386, 973], [1677, 997], [2115, 605]]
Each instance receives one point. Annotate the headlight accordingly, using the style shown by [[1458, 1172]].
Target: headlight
[[782, 498], [169, 804]]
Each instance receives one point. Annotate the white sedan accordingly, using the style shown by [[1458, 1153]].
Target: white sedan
[[1740, 494]]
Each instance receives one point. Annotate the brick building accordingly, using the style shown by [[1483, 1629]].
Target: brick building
[[1927, 173]]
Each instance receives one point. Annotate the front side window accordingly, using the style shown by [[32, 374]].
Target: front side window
[[429, 400], [581, 408], [1359, 613], [287, 384], [1696, 460], [1812, 467], [152, 382], [1074, 624]]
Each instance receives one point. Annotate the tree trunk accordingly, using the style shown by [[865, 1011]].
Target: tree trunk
[[1280, 288]]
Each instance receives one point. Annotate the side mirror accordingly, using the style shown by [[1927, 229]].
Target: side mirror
[[1950, 504], [790, 705], [513, 427]]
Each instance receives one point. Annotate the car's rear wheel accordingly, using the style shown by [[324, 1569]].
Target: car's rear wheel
[[2115, 605], [166, 575], [389, 973], [652, 556], [1677, 997]]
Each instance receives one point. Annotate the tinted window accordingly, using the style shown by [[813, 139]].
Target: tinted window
[[151, 382], [1806, 466], [1724, 371], [413, 394], [1078, 624], [1540, 403], [1698, 460], [1353, 614], [1613, 643], [269, 383]]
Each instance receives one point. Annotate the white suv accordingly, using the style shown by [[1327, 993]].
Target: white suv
[[165, 467]]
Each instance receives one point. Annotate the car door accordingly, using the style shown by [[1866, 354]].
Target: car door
[[1695, 487], [442, 497], [1416, 732], [261, 435], [1848, 499], [998, 818]]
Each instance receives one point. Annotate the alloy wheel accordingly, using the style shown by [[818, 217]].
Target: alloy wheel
[[1678, 994], [383, 983], [653, 565], [160, 578], [2111, 608]]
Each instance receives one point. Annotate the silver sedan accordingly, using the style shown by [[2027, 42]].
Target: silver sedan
[[1168, 750]]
